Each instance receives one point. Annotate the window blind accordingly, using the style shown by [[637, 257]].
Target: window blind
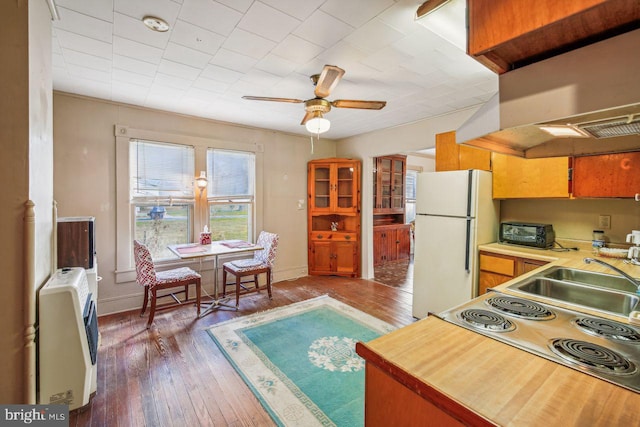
[[161, 171], [231, 174]]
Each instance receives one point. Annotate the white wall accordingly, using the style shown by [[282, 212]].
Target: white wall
[[576, 219], [85, 181], [26, 172]]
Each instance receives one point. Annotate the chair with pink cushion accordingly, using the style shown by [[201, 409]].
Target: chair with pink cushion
[[153, 281], [262, 262]]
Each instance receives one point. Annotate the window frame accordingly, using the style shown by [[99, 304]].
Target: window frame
[[125, 269], [248, 199]]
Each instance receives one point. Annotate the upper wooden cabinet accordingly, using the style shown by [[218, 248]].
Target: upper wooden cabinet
[[334, 186], [518, 178], [610, 175], [508, 34], [451, 156], [388, 184]]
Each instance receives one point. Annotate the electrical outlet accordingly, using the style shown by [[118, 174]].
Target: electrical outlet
[[604, 222]]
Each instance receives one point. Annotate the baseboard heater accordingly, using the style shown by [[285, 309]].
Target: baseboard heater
[[67, 340]]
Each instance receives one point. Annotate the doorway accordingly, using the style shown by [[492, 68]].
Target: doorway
[[393, 212]]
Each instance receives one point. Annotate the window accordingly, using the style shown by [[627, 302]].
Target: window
[[231, 194], [411, 178], [161, 194]]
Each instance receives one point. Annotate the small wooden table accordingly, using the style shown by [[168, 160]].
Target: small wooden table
[[215, 249]]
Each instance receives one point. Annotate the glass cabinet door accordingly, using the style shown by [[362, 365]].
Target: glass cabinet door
[[397, 189], [385, 183], [322, 186], [345, 187]]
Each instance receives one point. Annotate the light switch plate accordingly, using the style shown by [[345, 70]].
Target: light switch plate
[[604, 221]]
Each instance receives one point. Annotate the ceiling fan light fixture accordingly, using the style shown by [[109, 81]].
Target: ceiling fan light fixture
[[317, 124]]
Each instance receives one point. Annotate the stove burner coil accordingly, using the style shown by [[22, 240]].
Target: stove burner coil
[[608, 329], [486, 320], [520, 308], [592, 356]]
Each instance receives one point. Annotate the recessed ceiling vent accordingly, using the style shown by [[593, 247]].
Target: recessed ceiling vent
[[620, 126]]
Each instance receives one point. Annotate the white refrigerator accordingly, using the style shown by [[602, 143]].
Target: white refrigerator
[[455, 212]]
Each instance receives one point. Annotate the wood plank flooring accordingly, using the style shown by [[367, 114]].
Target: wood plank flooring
[[174, 375]]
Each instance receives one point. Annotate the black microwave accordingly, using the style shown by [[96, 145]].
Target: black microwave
[[527, 234]]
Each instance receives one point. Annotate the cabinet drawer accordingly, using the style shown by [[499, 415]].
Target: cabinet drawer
[[332, 235], [506, 266]]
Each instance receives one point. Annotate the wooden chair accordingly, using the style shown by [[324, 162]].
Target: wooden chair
[[262, 262], [153, 281]]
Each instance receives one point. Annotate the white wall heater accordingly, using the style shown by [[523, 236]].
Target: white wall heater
[[67, 340]]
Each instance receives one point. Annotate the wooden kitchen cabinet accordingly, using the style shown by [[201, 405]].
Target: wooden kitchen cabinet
[[518, 178], [609, 175], [334, 186], [334, 217], [452, 156], [496, 269], [391, 243], [334, 257], [508, 34], [388, 185]]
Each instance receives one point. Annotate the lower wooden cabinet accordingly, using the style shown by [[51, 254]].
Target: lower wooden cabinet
[[496, 269], [334, 253], [391, 243]]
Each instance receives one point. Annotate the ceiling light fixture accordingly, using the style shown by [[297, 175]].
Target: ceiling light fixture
[[562, 131], [317, 124], [450, 21], [156, 24]]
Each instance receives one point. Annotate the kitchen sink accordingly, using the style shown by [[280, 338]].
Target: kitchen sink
[[590, 278], [581, 294]]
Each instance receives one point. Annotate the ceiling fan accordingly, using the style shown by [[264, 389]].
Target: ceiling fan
[[316, 107]]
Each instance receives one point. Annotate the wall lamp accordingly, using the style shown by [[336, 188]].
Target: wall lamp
[[202, 181]]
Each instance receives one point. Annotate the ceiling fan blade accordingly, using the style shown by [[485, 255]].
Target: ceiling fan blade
[[365, 105], [328, 80], [266, 98], [306, 117]]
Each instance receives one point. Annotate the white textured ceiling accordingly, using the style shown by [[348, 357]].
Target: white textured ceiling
[[217, 51]]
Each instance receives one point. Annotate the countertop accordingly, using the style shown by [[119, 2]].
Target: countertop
[[496, 381]]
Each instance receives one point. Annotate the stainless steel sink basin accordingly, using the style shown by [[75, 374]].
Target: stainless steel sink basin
[[598, 298], [590, 278]]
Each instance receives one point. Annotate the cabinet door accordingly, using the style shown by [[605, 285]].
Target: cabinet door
[[321, 256], [397, 186], [344, 257], [320, 186], [610, 175], [380, 251], [403, 242], [451, 156], [384, 177], [515, 177], [346, 187]]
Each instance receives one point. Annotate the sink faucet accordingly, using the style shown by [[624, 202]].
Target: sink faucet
[[635, 282]]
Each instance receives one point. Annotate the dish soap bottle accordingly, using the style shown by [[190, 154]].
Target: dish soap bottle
[[597, 242]]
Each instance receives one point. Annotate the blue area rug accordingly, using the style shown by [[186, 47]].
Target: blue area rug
[[300, 360]]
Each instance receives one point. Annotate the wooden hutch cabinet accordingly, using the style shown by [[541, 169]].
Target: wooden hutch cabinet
[[391, 236], [334, 217]]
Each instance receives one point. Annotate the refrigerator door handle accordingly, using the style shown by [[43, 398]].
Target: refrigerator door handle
[[467, 249]]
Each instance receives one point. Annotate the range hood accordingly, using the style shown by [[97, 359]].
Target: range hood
[[595, 90]]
